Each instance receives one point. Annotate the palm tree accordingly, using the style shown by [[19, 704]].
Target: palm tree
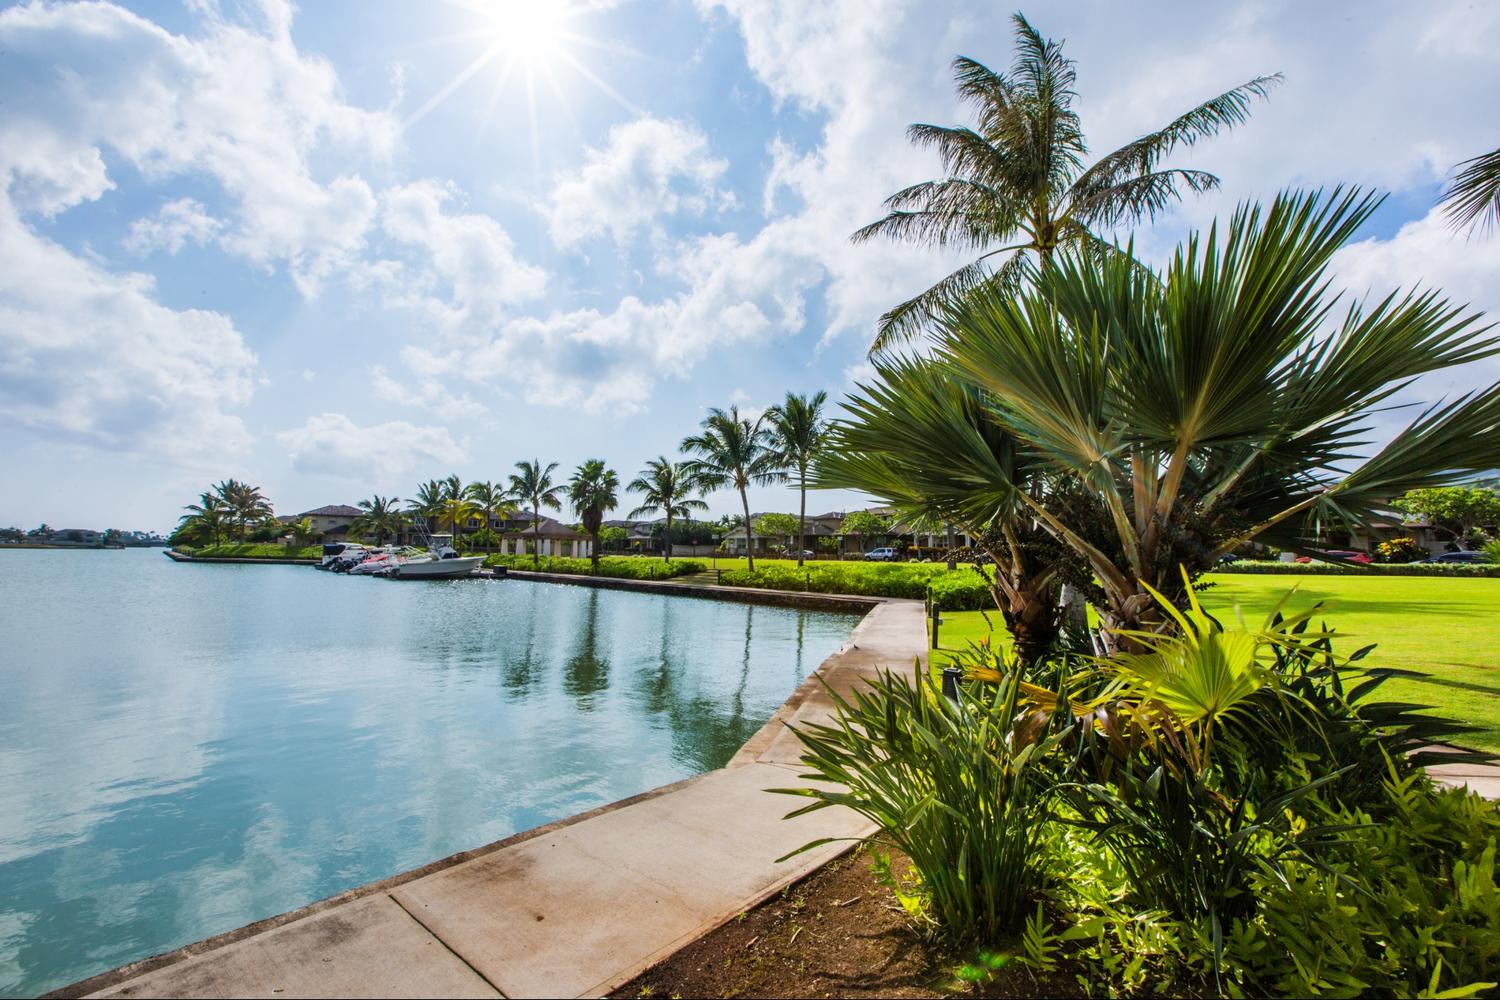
[[593, 493], [245, 503], [733, 452], [428, 503], [797, 426], [534, 485], [665, 488], [1474, 196], [1209, 405], [490, 500], [380, 518], [208, 516], [1016, 183], [457, 509], [922, 442]]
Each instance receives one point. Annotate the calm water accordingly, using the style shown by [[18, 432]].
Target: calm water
[[187, 748]]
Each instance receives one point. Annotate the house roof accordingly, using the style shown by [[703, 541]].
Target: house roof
[[332, 510], [549, 527]]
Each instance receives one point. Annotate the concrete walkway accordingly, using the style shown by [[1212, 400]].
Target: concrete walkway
[[576, 908]]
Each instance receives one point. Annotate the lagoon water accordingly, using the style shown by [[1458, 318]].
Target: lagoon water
[[187, 748]]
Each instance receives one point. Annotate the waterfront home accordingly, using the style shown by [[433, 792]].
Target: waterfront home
[[519, 535], [332, 519], [830, 525]]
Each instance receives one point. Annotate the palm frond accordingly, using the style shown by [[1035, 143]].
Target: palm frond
[[1138, 197], [1474, 195]]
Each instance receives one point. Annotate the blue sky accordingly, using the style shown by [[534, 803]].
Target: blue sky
[[342, 248]]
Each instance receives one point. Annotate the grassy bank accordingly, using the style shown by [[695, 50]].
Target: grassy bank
[[254, 550], [1265, 567], [957, 590], [616, 567], [1446, 629]]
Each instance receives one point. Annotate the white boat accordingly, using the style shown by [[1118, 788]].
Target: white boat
[[442, 563]]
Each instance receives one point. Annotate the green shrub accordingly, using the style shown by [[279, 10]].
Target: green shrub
[[955, 590], [1400, 550], [949, 787], [615, 567]]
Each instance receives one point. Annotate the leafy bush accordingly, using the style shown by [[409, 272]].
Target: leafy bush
[[1400, 550], [615, 567], [1492, 551], [955, 590], [1375, 569], [254, 550], [949, 787]]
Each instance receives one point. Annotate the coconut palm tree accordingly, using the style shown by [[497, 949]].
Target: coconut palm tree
[[1474, 196], [490, 500], [245, 504], [1212, 404], [734, 452], [457, 510], [1016, 183], [428, 503], [665, 488], [593, 492], [535, 486], [922, 442], [380, 518], [797, 428], [208, 517]]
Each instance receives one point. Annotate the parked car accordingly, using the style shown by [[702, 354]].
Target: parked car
[[1341, 555], [884, 554], [1466, 556]]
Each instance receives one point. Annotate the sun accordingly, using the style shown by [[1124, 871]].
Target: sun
[[530, 32]]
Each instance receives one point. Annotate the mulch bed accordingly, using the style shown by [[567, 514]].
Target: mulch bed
[[837, 933]]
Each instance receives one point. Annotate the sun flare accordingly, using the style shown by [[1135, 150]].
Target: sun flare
[[533, 32]]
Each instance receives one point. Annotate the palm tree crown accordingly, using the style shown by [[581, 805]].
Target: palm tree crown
[[797, 429], [534, 485], [1017, 179], [593, 492], [490, 500], [381, 517], [734, 452], [665, 488], [1474, 196]]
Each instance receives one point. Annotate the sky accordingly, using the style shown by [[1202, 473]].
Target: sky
[[342, 248]]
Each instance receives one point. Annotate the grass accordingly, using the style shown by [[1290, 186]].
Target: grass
[[961, 589], [256, 550], [1446, 628], [617, 567]]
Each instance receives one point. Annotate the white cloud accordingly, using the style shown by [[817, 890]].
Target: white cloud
[[332, 444], [428, 394], [235, 103], [649, 169], [90, 357], [175, 225]]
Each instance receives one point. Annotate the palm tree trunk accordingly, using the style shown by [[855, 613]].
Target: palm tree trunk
[[802, 519], [666, 549], [952, 561], [536, 533], [749, 531]]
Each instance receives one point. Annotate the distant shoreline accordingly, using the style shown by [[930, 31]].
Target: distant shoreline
[[68, 545]]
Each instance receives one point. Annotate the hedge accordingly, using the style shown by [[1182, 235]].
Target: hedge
[[954, 590], [254, 550], [1373, 569], [617, 567]]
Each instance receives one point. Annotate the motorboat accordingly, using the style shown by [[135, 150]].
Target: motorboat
[[342, 555], [442, 563]]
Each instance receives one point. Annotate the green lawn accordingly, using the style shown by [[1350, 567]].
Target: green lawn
[[1448, 629]]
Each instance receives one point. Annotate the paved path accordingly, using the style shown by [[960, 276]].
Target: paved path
[[573, 909]]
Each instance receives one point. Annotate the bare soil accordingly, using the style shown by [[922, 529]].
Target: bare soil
[[837, 933]]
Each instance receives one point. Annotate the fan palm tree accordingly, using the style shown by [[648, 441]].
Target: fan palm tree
[[797, 428], [380, 518], [534, 485], [428, 503], [1210, 405], [490, 500], [1474, 196], [923, 442], [593, 491], [733, 452], [1016, 183], [665, 488]]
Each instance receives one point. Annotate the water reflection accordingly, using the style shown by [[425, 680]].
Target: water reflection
[[250, 739]]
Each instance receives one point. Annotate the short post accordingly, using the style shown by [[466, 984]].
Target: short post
[[718, 576], [807, 581], [936, 620]]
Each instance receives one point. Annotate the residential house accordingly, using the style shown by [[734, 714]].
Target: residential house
[[333, 520], [518, 536], [830, 526]]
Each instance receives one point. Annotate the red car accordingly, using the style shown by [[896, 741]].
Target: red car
[[1342, 555]]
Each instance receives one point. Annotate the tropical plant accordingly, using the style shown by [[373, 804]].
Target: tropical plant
[[797, 430], [490, 501], [1474, 196], [1017, 178], [206, 520], [666, 488], [1400, 550], [246, 504], [534, 485], [947, 786], [381, 518], [428, 503], [303, 532], [861, 524], [1461, 511], [925, 443], [733, 452], [593, 492], [780, 526], [1208, 407]]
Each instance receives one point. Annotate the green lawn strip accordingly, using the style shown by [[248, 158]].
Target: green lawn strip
[[616, 567], [1447, 629], [257, 550]]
